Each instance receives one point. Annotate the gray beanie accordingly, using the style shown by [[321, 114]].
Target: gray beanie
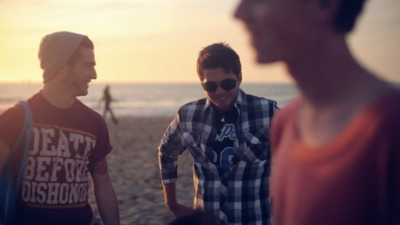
[[56, 49]]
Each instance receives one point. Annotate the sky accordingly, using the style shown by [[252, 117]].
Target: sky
[[159, 40]]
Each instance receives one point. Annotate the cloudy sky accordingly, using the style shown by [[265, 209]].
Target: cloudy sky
[[158, 40]]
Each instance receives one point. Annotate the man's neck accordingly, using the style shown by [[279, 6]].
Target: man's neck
[[58, 97], [331, 76], [334, 89]]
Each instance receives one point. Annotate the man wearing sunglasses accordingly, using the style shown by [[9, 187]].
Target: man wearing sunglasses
[[226, 134]]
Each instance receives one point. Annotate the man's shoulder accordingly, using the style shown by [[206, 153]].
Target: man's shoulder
[[16, 110], [193, 104], [87, 111], [193, 111], [254, 98], [289, 110], [12, 114], [251, 99], [257, 102]]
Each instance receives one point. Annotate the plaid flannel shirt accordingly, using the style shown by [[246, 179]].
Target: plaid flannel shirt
[[241, 194]]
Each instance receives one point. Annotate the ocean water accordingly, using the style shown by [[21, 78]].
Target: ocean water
[[146, 99]]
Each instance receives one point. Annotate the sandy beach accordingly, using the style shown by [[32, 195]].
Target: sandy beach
[[133, 168]]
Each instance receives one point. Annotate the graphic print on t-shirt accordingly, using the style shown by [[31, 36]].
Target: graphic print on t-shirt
[[226, 135], [56, 171]]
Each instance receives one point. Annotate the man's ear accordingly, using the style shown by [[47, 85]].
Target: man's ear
[[240, 79], [64, 69]]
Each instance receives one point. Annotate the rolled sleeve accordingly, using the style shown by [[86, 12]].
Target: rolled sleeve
[[168, 151]]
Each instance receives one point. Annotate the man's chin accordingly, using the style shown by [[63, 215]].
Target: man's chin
[[82, 93]]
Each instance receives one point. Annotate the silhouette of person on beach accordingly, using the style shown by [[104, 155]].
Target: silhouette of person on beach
[[107, 98], [70, 141], [226, 134], [336, 147]]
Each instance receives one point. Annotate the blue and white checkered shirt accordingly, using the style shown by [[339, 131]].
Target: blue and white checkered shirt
[[241, 194]]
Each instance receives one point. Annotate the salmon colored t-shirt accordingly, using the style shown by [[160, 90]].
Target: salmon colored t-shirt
[[352, 179]]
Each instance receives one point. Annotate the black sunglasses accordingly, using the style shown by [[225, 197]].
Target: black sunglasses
[[227, 84]]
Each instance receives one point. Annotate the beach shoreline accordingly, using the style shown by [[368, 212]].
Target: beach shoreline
[[134, 172]]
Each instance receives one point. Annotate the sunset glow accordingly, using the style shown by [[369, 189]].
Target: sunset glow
[[158, 40]]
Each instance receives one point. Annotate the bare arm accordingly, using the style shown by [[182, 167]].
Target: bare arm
[[4, 153], [171, 201], [106, 199]]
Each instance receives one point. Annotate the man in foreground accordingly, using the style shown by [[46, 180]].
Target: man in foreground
[[336, 146]]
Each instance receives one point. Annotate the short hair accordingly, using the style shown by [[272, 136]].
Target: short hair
[[85, 43], [218, 55], [347, 14]]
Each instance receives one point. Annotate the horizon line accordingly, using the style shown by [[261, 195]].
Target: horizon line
[[146, 82]]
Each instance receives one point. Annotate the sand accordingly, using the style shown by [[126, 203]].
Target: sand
[[134, 171]]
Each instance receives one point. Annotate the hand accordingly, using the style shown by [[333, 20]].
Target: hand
[[180, 210]]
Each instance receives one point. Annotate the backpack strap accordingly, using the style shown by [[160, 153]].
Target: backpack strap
[[10, 177], [28, 124], [28, 128]]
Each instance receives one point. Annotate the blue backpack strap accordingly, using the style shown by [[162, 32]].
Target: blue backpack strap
[[22, 133], [28, 127], [10, 179]]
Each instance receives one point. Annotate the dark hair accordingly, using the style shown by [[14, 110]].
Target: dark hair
[[218, 55], [347, 14], [85, 43]]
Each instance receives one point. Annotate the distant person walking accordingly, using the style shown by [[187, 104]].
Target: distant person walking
[[107, 103]]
